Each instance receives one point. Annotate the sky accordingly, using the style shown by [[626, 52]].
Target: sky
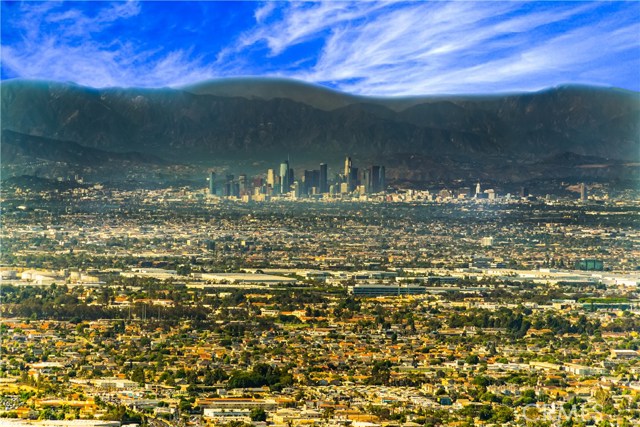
[[390, 48]]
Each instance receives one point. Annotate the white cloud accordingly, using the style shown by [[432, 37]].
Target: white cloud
[[371, 48], [444, 47], [68, 51], [300, 22], [264, 11]]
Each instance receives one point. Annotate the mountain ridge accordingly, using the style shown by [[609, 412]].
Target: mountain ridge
[[275, 87], [178, 124], [15, 144]]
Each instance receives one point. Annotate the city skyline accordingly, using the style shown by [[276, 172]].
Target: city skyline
[[368, 48], [309, 183]]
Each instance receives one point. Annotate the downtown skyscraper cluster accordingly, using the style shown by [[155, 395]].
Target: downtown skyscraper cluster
[[282, 182]]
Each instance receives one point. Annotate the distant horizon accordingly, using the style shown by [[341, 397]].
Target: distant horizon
[[186, 87], [373, 49]]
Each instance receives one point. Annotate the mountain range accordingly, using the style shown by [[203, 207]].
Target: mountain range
[[239, 122]]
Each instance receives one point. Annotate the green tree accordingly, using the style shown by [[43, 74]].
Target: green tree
[[138, 375], [258, 414], [472, 359]]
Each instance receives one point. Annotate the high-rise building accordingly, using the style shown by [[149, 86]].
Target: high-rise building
[[296, 188], [366, 181], [478, 189], [212, 183], [242, 185], [306, 181], [271, 177], [348, 171], [228, 186], [374, 179], [383, 179], [347, 167], [311, 180], [352, 181], [583, 192], [324, 183], [284, 177]]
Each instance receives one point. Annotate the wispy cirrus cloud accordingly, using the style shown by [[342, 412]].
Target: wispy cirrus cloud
[[453, 47], [302, 21], [71, 45], [264, 11], [366, 47]]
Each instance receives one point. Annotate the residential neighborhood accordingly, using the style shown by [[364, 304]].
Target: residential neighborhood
[[342, 313]]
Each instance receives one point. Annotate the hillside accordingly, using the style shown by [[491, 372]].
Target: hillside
[[267, 119]]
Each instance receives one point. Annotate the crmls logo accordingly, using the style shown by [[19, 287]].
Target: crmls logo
[[556, 414]]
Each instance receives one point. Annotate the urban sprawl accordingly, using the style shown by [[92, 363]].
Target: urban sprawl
[[343, 302]]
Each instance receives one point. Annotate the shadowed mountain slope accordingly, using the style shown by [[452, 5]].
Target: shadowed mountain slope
[[263, 118]]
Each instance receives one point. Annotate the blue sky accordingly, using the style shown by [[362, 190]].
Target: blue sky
[[370, 48]]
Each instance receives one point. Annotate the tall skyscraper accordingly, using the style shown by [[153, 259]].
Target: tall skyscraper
[[306, 181], [242, 185], [228, 186], [324, 183], [311, 180], [284, 177], [348, 176], [353, 179], [375, 185], [383, 179], [212, 183], [583, 192], [366, 180], [296, 188], [271, 177], [347, 167]]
